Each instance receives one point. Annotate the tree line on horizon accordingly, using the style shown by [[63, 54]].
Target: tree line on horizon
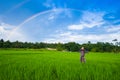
[[70, 46]]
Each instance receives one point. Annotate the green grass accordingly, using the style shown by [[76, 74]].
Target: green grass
[[54, 65]]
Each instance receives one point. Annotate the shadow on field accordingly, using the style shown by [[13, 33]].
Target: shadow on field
[[54, 74]]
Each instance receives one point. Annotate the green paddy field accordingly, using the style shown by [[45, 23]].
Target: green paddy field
[[30, 64]]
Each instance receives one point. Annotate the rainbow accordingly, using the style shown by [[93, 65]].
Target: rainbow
[[38, 14]]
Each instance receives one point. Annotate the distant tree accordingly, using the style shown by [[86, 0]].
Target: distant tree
[[7, 44], [108, 47], [72, 46], [118, 43], [51, 45], [42, 45], [89, 42], [1, 43], [60, 47], [17, 44], [88, 46], [116, 46]]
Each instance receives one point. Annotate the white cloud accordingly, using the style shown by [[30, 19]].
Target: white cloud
[[56, 13], [65, 34], [76, 27], [8, 32], [82, 38], [5, 30], [49, 4], [114, 29], [51, 17], [88, 20]]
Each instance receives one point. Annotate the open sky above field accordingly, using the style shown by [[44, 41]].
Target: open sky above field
[[60, 20]]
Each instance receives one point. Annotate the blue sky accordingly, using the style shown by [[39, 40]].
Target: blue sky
[[60, 20]]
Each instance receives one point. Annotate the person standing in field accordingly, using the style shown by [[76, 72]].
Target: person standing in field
[[82, 51]]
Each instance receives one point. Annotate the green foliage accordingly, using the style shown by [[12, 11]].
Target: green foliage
[[70, 46], [30, 64], [60, 47], [1, 43]]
